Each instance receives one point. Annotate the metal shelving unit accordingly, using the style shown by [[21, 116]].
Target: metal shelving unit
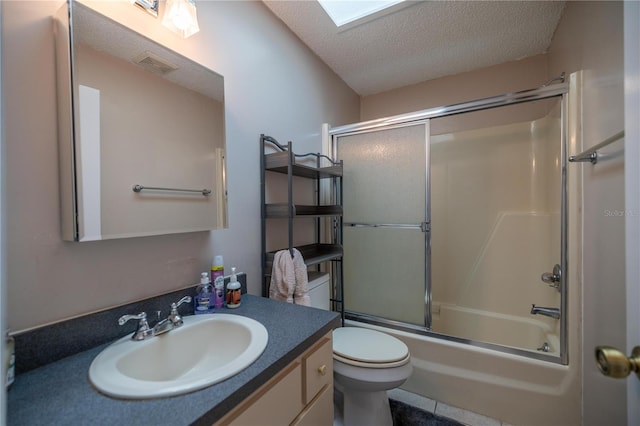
[[283, 160]]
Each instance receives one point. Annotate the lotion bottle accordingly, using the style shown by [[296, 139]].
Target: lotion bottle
[[203, 302], [234, 293]]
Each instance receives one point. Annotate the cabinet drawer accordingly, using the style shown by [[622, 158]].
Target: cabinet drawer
[[319, 412], [318, 369], [276, 405]]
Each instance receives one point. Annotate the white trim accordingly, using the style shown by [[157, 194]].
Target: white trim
[[632, 193], [89, 193]]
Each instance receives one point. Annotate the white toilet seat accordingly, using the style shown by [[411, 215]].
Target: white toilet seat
[[356, 363], [366, 348]]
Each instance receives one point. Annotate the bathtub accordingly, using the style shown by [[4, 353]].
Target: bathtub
[[512, 388], [529, 333]]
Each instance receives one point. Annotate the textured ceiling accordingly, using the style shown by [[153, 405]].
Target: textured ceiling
[[426, 40]]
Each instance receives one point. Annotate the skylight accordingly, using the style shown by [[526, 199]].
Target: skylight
[[343, 12]]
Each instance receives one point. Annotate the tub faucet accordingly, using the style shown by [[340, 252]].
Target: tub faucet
[[549, 312]]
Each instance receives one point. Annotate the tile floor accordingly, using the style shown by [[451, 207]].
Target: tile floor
[[440, 409]]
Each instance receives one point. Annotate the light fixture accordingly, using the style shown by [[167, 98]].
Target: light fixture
[[150, 6], [180, 17]]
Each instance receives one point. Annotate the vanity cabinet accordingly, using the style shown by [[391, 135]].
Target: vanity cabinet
[[300, 394], [326, 209]]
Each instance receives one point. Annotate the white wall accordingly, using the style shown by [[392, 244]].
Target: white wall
[[273, 85]]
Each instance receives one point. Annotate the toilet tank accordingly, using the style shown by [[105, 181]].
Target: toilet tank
[[319, 289]]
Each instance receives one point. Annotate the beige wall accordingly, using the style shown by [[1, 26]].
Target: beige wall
[[504, 78], [273, 85], [590, 37]]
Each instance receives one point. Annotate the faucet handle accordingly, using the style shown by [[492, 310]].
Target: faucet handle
[[143, 331], [174, 316], [185, 299], [142, 316], [553, 278]]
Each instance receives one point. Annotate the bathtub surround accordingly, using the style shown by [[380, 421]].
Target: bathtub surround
[[490, 187]]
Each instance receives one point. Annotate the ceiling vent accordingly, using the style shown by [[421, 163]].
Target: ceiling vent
[[154, 63]]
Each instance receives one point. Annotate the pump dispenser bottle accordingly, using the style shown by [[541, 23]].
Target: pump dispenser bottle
[[203, 302], [233, 291]]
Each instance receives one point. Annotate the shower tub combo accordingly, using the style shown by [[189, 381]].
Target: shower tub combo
[[451, 217]]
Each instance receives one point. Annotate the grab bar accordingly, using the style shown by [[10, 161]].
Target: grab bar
[[592, 153], [139, 188]]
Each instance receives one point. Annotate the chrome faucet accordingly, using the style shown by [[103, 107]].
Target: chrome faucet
[[549, 312], [143, 331], [174, 320], [554, 278]]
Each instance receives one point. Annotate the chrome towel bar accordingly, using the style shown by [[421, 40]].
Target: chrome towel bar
[[139, 188], [592, 153]]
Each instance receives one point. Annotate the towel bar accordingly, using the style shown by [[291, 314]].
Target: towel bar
[[139, 188], [591, 154]]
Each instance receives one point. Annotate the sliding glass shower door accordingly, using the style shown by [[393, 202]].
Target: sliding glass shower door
[[455, 226], [385, 234]]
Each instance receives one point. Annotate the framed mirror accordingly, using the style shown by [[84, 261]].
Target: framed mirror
[[141, 133]]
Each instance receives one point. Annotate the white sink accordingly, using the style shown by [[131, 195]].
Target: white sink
[[205, 350]]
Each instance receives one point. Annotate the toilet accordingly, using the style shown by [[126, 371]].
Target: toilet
[[366, 364]]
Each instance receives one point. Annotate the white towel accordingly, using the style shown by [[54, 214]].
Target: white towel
[[289, 282]]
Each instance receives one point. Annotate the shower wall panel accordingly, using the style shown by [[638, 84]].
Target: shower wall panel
[[495, 205]]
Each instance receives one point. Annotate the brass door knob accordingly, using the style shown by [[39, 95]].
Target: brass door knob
[[613, 363], [322, 370]]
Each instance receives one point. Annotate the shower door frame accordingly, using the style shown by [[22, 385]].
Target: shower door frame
[[423, 117]]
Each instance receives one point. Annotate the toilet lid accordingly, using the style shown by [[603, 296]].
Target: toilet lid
[[368, 346]]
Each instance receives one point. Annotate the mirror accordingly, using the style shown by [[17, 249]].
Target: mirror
[[141, 133]]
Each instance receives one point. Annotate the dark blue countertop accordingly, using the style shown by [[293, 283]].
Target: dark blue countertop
[[60, 393]]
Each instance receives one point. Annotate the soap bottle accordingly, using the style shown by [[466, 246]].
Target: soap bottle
[[233, 291], [203, 302], [217, 268]]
